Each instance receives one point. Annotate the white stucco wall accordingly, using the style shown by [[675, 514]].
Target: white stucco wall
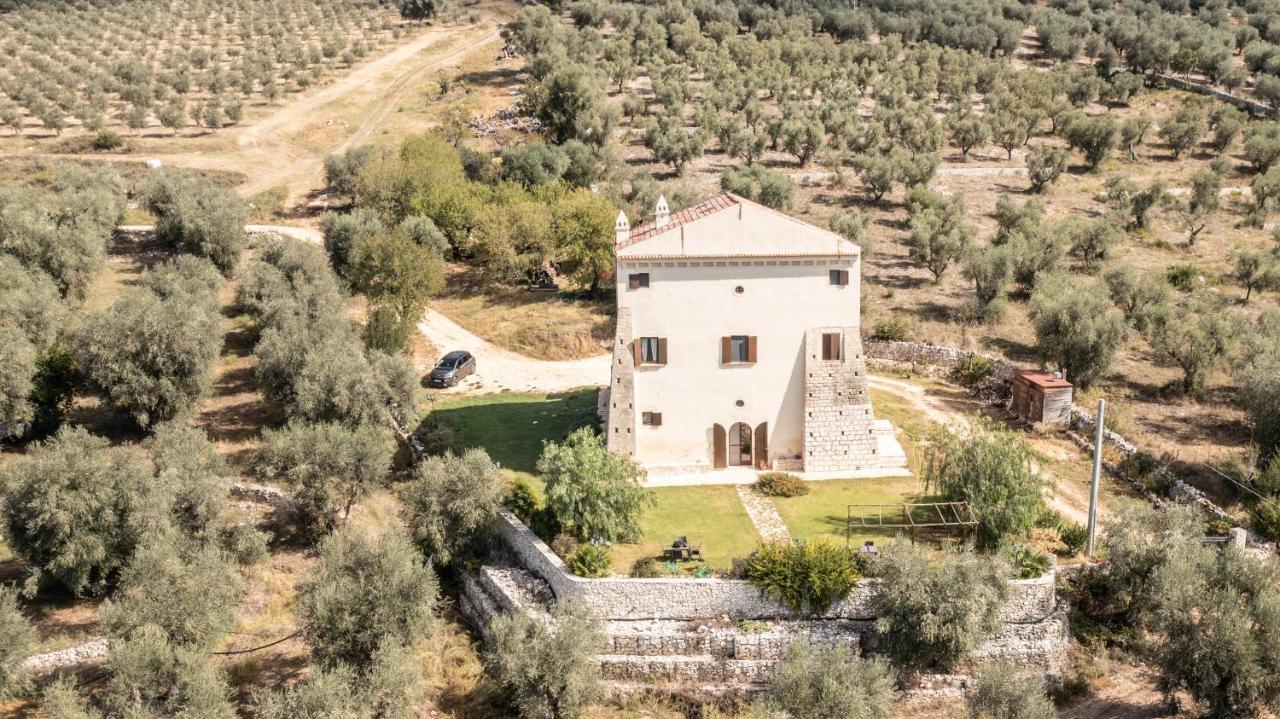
[[693, 304]]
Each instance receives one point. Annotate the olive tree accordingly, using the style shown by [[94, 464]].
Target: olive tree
[[1077, 327], [328, 466], [813, 682], [594, 493], [1214, 612], [75, 509], [149, 357], [547, 668], [1002, 693], [939, 236], [1197, 335], [153, 676], [198, 218], [451, 503], [187, 591], [938, 611], [1045, 164], [367, 592], [1140, 299]]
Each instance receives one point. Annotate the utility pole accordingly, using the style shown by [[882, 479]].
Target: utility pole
[[1097, 475]]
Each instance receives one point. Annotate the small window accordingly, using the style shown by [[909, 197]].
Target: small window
[[832, 346], [637, 280], [651, 350], [737, 349], [651, 419], [839, 277]]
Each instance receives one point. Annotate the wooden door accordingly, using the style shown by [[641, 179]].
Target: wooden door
[[762, 446], [719, 447]]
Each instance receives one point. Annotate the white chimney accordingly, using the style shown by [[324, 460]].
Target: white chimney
[[662, 213], [621, 229]]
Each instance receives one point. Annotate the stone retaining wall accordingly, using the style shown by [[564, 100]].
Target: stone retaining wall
[[924, 357], [691, 599]]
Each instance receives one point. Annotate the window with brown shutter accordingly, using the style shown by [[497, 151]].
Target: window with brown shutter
[[651, 351], [832, 346], [651, 419], [637, 280], [751, 348], [839, 277]]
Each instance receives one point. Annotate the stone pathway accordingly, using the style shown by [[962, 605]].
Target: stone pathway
[[764, 515]]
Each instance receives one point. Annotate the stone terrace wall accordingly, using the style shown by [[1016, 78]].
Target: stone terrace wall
[[1031, 600], [923, 356]]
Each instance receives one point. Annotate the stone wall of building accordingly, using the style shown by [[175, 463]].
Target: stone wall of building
[[620, 429], [839, 432], [620, 598]]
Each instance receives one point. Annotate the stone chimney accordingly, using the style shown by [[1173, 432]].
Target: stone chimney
[[661, 213], [621, 229]]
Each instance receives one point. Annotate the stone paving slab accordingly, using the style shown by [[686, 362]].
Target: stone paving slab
[[764, 515]]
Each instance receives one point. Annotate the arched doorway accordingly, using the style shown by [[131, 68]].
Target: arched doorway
[[740, 443]]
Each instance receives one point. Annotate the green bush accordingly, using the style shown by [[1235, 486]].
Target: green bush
[[1266, 517], [590, 561], [806, 577], [108, 140], [973, 370], [646, 568], [781, 484], [1074, 535], [1002, 694], [893, 329], [814, 682], [936, 610], [1027, 562], [1183, 276], [1217, 527]]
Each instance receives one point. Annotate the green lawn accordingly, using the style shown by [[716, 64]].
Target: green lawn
[[511, 427], [710, 516], [822, 512]]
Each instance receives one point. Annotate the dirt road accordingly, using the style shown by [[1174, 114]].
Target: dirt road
[[500, 370]]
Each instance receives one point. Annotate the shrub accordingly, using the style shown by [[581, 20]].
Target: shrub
[[805, 577], [593, 493], [646, 568], [781, 484], [1265, 517], [451, 504], [1137, 544], [1027, 563], [1002, 693], [548, 672], [590, 561], [1182, 276], [991, 469], [198, 218], [364, 593], [107, 139], [17, 640], [973, 370], [893, 329], [152, 676], [935, 613], [832, 683]]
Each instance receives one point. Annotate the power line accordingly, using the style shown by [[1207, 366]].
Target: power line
[[1246, 488]]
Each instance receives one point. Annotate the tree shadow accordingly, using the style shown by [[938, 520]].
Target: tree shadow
[[1014, 350]]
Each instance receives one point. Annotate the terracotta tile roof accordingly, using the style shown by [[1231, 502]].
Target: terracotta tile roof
[[688, 214]]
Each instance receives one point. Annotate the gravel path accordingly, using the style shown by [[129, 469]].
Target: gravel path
[[764, 515], [498, 369]]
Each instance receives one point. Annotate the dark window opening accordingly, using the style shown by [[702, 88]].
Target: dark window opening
[[832, 346], [651, 419], [637, 280]]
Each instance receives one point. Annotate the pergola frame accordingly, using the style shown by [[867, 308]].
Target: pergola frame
[[950, 514]]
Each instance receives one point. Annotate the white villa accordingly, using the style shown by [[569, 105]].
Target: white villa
[[738, 347]]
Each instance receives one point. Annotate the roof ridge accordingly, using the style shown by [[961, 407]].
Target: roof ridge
[[709, 206]]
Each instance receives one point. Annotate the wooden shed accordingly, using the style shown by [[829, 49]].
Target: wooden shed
[[1040, 397]]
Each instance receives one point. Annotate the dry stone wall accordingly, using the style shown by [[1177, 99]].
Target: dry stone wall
[[1031, 600]]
